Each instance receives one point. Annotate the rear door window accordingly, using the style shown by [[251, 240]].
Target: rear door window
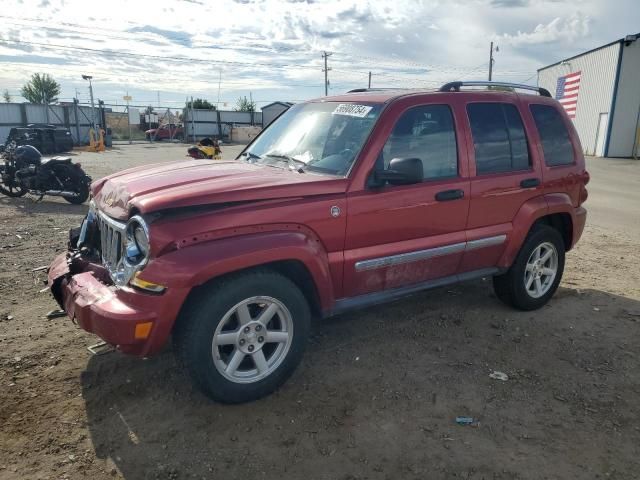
[[554, 136], [499, 139]]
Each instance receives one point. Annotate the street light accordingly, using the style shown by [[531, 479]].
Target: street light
[[93, 114]]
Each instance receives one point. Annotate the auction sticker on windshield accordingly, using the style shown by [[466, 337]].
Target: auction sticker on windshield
[[352, 110]]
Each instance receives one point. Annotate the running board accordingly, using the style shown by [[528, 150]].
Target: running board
[[376, 298]]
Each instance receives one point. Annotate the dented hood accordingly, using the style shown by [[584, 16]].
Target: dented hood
[[201, 182]]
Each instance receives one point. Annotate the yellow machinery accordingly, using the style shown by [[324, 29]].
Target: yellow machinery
[[96, 145], [206, 148]]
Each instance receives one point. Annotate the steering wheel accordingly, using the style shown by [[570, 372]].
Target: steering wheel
[[346, 152]]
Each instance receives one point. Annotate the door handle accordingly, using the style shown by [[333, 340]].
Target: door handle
[[530, 182], [447, 195]]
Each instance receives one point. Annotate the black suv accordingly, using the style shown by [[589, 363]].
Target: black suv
[[46, 138]]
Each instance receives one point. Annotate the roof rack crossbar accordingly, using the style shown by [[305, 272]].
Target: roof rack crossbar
[[455, 86]]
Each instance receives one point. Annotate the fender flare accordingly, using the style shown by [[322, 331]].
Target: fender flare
[[530, 212], [196, 264]]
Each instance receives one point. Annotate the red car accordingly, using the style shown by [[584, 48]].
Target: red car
[[165, 132], [341, 203]]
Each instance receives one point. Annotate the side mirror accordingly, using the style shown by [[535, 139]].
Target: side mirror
[[401, 171]]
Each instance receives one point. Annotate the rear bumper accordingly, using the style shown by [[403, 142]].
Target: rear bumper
[[579, 220], [81, 289]]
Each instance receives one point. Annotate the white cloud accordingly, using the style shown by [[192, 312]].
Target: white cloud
[[272, 47], [559, 29]]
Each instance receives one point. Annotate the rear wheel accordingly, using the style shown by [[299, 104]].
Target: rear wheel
[[242, 337], [82, 193], [72, 178], [536, 272]]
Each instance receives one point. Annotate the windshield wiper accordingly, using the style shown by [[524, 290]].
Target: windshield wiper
[[290, 160], [250, 156]]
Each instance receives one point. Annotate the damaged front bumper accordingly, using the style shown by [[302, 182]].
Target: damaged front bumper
[[135, 322]]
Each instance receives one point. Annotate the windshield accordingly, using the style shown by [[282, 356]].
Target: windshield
[[320, 137]]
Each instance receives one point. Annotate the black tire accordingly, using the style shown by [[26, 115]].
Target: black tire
[[82, 195], [12, 190], [194, 333], [510, 287], [73, 179]]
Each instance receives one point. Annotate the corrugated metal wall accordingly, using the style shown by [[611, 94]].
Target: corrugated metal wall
[[625, 117], [270, 113], [596, 89], [11, 116], [205, 122]]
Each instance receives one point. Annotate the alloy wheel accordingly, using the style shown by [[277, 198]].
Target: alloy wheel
[[541, 270], [252, 340]]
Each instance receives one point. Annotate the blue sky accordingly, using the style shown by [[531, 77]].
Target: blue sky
[[272, 49]]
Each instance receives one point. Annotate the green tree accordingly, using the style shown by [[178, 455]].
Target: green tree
[[245, 105], [42, 88], [7, 96], [201, 104]]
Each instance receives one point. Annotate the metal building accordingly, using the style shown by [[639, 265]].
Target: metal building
[[272, 111], [600, 90]]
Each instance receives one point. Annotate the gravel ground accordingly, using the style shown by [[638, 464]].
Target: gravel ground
[[376, 396]]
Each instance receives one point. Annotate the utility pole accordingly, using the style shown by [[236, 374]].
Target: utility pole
[[491, 60], [219, 83], [46, 105], [193, 122], [251, 106], [128, 99], [369, 79], [326, 69], [93, 111]]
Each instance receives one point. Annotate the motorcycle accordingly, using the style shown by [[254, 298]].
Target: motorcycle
[[206, 148], [25, 171]]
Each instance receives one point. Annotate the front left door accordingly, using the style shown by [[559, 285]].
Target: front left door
[[399, 235]]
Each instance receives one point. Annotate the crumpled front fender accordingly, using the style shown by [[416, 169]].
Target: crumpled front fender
[[194, 265]]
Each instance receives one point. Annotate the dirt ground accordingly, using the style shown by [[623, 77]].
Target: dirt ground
[[376, 396]]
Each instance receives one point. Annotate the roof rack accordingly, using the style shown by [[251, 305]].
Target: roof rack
[[455, 86], [360, 90]]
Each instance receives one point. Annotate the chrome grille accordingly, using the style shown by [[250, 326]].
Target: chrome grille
[[111, 241]]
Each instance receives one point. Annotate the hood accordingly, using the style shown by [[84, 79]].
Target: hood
[[201, 182]]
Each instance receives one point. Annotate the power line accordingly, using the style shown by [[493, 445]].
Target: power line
[[50, 46], [379, 61], [165, 58]]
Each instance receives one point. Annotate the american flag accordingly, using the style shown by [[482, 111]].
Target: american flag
[[567, 92]]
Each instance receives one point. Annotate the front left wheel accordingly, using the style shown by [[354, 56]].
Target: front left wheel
[[242, 337]]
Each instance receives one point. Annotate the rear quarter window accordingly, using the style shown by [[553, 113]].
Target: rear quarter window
[[554, 136]]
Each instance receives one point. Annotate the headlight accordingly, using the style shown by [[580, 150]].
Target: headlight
[[136, 251]]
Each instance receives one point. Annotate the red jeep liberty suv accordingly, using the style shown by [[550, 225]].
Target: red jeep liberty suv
[[341, 203]]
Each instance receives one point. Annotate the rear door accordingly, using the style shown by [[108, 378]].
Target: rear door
[[559, 153], [399, 235], [505, 173]]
